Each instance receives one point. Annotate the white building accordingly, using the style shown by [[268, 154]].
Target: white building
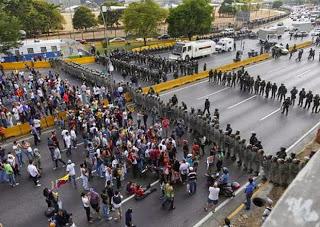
[[65, 3]]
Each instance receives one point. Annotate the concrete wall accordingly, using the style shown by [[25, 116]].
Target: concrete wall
[[299, 206]]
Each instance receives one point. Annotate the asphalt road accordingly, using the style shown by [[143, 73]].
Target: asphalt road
[[247, 112]]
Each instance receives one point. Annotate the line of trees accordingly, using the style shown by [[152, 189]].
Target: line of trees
[[33, 16]]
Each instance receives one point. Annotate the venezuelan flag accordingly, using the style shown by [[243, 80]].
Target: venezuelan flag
[[62, 181]]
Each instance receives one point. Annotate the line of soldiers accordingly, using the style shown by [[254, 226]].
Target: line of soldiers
[[249, 156], [149, 68], [267, 89]]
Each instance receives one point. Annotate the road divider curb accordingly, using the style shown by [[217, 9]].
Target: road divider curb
[[202, 75]]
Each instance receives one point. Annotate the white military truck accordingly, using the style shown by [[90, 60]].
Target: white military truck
[[194, 49], [224, 45]]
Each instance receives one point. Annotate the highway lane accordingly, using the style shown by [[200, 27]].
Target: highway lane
[[247, 112]]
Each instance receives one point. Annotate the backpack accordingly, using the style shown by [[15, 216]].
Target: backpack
[[116, 200], [94, 198]]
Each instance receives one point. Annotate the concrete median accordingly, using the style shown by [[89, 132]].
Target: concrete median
[[192, 78]]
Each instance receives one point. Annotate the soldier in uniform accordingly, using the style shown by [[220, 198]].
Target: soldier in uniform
[[309, 98], [267, 167], [258, 162], [283, 174], [316, 103], [274, 171], [222, 141], [268, 88], [274, 90], [294, 93], [236, 148], [302, 96], [294, 170], [217, 134], [247, 157], [285, 106], [242, 148], [210, 75]]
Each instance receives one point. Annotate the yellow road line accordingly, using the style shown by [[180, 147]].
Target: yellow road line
[[239, 208]]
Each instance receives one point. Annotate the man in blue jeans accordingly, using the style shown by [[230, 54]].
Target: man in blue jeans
[[249, 191], [192, 181], [105, 205]]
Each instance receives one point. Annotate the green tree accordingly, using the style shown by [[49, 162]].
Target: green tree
[[9, 31], [192, 17], [277, 4], [142, 18], [112, 16], [35, 16], [227, 7], [83, 18]]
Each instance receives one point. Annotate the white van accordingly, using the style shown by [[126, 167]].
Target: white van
[[224, 45]]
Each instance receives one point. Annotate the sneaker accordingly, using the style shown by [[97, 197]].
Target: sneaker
[[16, 184], [109, 218], [205, 209], [38, 185], [54, 168]]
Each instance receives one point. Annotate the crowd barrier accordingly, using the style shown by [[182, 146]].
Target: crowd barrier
[[44, 64], [45, 122], [22, 65], [192, 78]]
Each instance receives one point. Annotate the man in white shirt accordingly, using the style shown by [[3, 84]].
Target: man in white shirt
[[34, 173], [86, 205], [67, 140], [184, 170], [72, 173], [213, 197], [37, 124]]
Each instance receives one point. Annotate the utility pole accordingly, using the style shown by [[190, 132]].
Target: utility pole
[[104, 9]]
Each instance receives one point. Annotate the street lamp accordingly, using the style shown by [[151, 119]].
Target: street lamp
[[104, 9]]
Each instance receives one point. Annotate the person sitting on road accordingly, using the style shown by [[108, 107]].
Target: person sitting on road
[[224, 179]]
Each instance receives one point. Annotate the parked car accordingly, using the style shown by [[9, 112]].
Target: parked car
[[282, 49], [82, 41], [228, 31], [141, 39], [164, 37], [315, 32], [301, 34], [118, 39]]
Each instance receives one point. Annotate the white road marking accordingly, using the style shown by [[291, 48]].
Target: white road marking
[[243, 101], [221, 205], [132, 196], [301, 74], [303, 136], [182, 88], [265, 117], [77, 145], [257, 64], [206, 96]]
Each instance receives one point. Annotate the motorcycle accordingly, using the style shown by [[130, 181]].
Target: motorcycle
[[228, 190]]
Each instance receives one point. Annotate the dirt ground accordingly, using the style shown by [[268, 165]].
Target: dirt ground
[[253, 218]]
